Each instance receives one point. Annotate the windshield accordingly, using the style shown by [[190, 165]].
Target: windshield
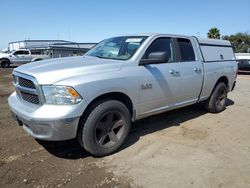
[[121, 48], [9, 52]]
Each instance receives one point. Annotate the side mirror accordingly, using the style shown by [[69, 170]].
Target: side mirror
[[155, 58]]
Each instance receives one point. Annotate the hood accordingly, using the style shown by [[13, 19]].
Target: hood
[[3, 54], [58, 69]]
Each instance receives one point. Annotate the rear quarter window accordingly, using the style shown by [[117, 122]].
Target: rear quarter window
[[36, 52], [186, 50]]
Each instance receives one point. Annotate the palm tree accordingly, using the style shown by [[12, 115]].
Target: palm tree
[[213, 33]]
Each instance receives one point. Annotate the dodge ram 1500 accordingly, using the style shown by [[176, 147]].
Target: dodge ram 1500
[[94, 98]]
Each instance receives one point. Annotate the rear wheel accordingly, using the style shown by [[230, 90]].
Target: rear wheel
[[217, 101], [5, 63], [105, 129]]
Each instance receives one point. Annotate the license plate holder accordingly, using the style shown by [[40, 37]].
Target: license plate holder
[[19, 122]]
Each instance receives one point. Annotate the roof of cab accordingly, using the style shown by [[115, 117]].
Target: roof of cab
[[154, 34], [201, 40]]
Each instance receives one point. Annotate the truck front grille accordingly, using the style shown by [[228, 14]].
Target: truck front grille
[[31, 98], [26, 88], [26, 83]]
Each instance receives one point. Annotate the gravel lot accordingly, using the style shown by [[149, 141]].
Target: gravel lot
[[183, 148]]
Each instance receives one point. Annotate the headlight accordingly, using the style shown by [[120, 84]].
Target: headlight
[[61, 95]]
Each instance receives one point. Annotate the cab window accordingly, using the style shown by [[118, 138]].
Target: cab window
[[19, 52], [161, 45], [186, 50], [26, 52]]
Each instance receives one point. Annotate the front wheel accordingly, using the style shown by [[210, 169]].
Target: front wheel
[[217, 101], [5, 63], [105, 128]]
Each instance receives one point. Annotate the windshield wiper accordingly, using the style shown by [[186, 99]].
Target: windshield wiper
[[102, 57], [108, 57]]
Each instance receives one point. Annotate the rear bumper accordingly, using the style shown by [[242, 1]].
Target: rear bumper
[[47, 122]]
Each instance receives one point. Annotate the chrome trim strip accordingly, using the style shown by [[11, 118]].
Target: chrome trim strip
[[37, 92], [26, 90]]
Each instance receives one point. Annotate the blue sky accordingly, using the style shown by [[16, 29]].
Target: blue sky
[[94, 20]]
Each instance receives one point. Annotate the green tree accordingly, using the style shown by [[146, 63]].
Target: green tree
[[240, 42], [213, 33]]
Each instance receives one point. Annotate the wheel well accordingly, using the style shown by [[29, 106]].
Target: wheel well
[[115, 96], [5, 59], [108, 96], [37, 59], [223, 79]]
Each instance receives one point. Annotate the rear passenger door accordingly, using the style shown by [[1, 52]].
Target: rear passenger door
[[191, 71], [26, 56]]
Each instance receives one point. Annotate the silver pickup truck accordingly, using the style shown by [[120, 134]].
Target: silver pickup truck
[[95, 98], [20, 56]]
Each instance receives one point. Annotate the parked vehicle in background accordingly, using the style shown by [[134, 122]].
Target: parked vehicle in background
[[21, 56], [243, 60], [95, 98], [243, 64]]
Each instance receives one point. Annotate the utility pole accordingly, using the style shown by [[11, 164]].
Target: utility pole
[[69, 33]]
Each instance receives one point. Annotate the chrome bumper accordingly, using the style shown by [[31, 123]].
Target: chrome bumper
[[46, 122]]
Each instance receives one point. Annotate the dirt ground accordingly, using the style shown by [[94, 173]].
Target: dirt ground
[[183, 148]]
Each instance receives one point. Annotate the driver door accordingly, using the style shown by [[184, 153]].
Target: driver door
[[18, 56], [159, 83]]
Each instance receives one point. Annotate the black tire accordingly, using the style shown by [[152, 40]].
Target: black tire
[[105, 128], [217, 101], [5, 63]]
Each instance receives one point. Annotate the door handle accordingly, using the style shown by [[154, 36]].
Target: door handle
[[198, 70], [173, 72]]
